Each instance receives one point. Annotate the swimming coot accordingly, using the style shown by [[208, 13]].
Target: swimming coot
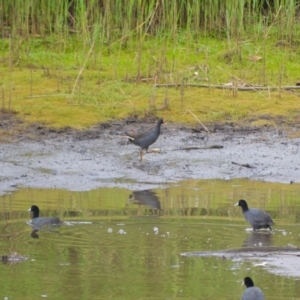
[[42, 221], [145, 139], [256, 217], [252, 292]]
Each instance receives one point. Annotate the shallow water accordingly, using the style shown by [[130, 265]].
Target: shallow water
[[114, 247]]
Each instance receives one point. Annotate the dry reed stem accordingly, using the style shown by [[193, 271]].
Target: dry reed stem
[[188, 111], [82, 68], [46, 95], [3, 99], [229, 87]]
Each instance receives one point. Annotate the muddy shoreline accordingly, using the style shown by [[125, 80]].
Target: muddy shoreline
[[40, 157], [282, 261]]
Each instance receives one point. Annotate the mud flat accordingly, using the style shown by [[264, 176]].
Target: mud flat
[[100, 157], [278, 260]]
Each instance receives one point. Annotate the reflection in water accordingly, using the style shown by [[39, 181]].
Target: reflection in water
[[260, 239], [145, 197], [34, 234], [35, 229], [108, 248]]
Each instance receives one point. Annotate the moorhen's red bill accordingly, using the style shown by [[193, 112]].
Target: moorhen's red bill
[[145, 139]]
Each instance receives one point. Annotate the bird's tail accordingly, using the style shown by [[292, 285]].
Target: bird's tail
[[130, 137]]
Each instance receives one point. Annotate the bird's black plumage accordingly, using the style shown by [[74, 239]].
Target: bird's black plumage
[[38, 221], [145, 139], [257, 218], [252, 292]]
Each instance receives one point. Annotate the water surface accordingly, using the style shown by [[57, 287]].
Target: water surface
[[121, 244]]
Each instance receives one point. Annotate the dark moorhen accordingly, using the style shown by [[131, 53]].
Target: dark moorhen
[[256, 217], [145, 139]]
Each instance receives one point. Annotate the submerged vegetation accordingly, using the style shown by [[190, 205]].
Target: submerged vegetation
[[79, 62]]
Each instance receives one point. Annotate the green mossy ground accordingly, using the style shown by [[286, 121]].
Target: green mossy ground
[[38, 77]]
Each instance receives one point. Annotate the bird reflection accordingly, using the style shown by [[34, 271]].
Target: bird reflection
[[258, 239], [145, 197], [34, 234]]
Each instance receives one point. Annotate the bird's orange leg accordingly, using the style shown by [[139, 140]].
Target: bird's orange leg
[[141, 155]]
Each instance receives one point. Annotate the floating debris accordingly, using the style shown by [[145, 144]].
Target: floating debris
[[12, 258]]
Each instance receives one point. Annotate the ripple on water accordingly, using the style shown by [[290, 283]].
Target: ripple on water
[[106, 243]]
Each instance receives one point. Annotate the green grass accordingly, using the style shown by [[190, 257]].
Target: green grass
[[39, 75]]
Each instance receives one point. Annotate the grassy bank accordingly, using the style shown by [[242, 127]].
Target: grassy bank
[[96, 63]]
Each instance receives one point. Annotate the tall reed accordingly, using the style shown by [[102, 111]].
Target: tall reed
[[117, 18]]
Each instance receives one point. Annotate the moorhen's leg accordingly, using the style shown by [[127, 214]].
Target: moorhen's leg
[[141, 154]]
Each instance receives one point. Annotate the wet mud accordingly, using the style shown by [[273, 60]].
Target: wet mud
[[278, 260], [41, 157]]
